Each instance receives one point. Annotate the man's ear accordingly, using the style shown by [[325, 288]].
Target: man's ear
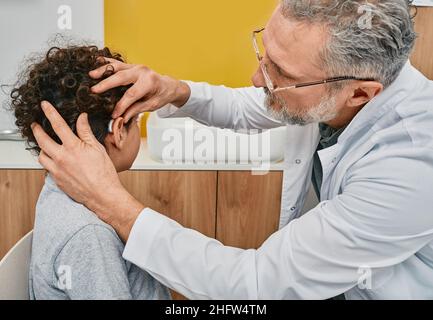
[[117, 137], [363, 92]]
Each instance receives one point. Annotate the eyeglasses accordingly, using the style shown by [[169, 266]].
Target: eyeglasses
[[269, 83]]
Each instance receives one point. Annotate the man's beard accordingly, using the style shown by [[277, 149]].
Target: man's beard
[[323, 112]]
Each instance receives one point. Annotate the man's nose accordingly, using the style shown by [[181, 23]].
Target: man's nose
[[258, 79]]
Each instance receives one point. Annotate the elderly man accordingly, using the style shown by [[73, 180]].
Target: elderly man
[[360, 120]]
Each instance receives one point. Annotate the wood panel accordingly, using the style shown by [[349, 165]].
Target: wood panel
[[19, 191], [422, 57], [189, 197], [248, 208]]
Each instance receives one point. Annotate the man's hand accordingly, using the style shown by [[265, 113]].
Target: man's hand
[[82, 169], [149, 91]]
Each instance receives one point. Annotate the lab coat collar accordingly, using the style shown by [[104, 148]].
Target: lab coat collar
[[367, 120], [407, 81]]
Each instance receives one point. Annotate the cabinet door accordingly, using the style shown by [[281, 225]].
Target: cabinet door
[[19, 192], [189, 197], [422, 55], [248, 208]]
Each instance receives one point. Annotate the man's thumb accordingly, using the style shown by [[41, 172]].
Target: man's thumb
[[84, 131]]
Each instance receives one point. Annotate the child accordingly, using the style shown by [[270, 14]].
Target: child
[[75, 255]]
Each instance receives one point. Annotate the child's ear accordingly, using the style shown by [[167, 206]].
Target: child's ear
[[119, 133]]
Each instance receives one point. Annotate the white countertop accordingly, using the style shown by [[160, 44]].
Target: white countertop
[[13, 155]]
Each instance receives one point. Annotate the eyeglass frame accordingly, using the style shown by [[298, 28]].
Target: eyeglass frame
[[270, 85]]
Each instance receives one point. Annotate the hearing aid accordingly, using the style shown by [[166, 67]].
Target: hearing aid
[[110, 126]]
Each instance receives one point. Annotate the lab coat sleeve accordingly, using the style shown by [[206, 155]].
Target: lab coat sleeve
[[382, 217], [219, 106]]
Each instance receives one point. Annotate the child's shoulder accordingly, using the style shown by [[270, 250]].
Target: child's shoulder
[[67, 234], [59, 207], [59, 218]]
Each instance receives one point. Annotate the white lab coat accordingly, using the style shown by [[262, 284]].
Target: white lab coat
[[371, 237]]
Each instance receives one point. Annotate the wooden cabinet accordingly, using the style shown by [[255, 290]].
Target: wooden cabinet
[[189, 197], [422, 56], [19, 191], [235, 207], [248, 209]]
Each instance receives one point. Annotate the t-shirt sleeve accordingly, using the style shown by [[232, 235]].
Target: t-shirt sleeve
[[90, 266]]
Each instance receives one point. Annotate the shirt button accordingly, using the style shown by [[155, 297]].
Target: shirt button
[[292, 208], [298, 161]]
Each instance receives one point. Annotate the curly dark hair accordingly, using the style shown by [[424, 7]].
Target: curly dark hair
[[62, 78]]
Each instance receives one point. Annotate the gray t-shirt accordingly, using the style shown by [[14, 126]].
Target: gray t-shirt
[[77, 256]]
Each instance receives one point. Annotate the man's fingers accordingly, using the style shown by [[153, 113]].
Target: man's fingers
[[59, 125], [46, 162], [131, 96], [132, 111], [97, 73], [84, 131], [113, 64], [140, 107], [120, 78], [111, 60], [44, 141]]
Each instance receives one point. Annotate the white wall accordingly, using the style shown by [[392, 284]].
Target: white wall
[[27, 25]]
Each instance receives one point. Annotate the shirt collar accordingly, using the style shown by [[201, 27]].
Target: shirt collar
[[50, 183], [328, 135]]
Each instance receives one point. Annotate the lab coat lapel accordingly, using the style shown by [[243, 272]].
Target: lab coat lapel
[[300, 147]]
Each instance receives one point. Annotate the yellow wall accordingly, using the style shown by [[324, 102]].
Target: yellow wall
[[199, 40]]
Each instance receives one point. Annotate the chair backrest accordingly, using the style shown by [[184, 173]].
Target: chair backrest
[[14, 270]]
